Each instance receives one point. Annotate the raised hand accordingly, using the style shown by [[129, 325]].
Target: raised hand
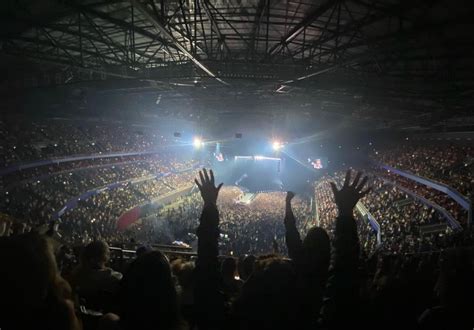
[[209, 191], [349, 195]]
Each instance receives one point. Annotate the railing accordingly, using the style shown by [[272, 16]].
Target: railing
[[433, 229], [71, 170], [55, 161], [121, 255], [72, 203], [464, 202], [364, 212], [161, 247], [145, 210], [453, 222]]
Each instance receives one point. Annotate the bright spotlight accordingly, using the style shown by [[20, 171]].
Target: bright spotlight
[[197, 142], [277, 145]]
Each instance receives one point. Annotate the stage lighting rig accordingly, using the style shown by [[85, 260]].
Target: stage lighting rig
[[277, 145], [198, 143]]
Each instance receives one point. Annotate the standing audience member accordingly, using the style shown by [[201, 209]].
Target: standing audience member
[[147, 297], [33, 294], [327, 283], [310, 259], [92, 280]]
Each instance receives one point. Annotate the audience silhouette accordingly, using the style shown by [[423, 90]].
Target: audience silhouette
[[325, 282]]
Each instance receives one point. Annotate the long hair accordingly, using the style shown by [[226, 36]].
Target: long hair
[[33, 294], [270, 297], [95, 255], [147, 294], [317, 252]]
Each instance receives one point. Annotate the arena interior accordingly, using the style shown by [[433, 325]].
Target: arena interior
[[236, 164]]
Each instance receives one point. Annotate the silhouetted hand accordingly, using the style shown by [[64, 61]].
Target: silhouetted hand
[[289, 196], [209, 191], [349, 195]]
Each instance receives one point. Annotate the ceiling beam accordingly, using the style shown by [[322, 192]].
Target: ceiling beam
[[392, 47], [295, 31], [47, 59], [391, 41], [372, 16], [51, 27], [123, 24], [160, 27], [259, 11], [324, 70], [63, 47], [228, 23], [214, 25], [174, 27]]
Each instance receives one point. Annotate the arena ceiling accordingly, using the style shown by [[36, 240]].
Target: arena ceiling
[[386, 56]]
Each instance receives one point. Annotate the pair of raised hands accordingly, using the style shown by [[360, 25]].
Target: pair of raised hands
[[346, 198]]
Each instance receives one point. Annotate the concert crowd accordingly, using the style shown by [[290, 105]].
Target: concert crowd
[[365, 250]]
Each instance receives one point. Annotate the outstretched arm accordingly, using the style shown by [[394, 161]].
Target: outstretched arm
[[208, 230], [293, 239], [209, 301], [342, 292], [346, 242]]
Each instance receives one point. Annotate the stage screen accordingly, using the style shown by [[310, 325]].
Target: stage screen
[[317, 163], [257, 173]]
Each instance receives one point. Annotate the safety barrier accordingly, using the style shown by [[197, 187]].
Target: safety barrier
[[453, 222], [364, 212], [464, 202], [56, 161], [72, 203]]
